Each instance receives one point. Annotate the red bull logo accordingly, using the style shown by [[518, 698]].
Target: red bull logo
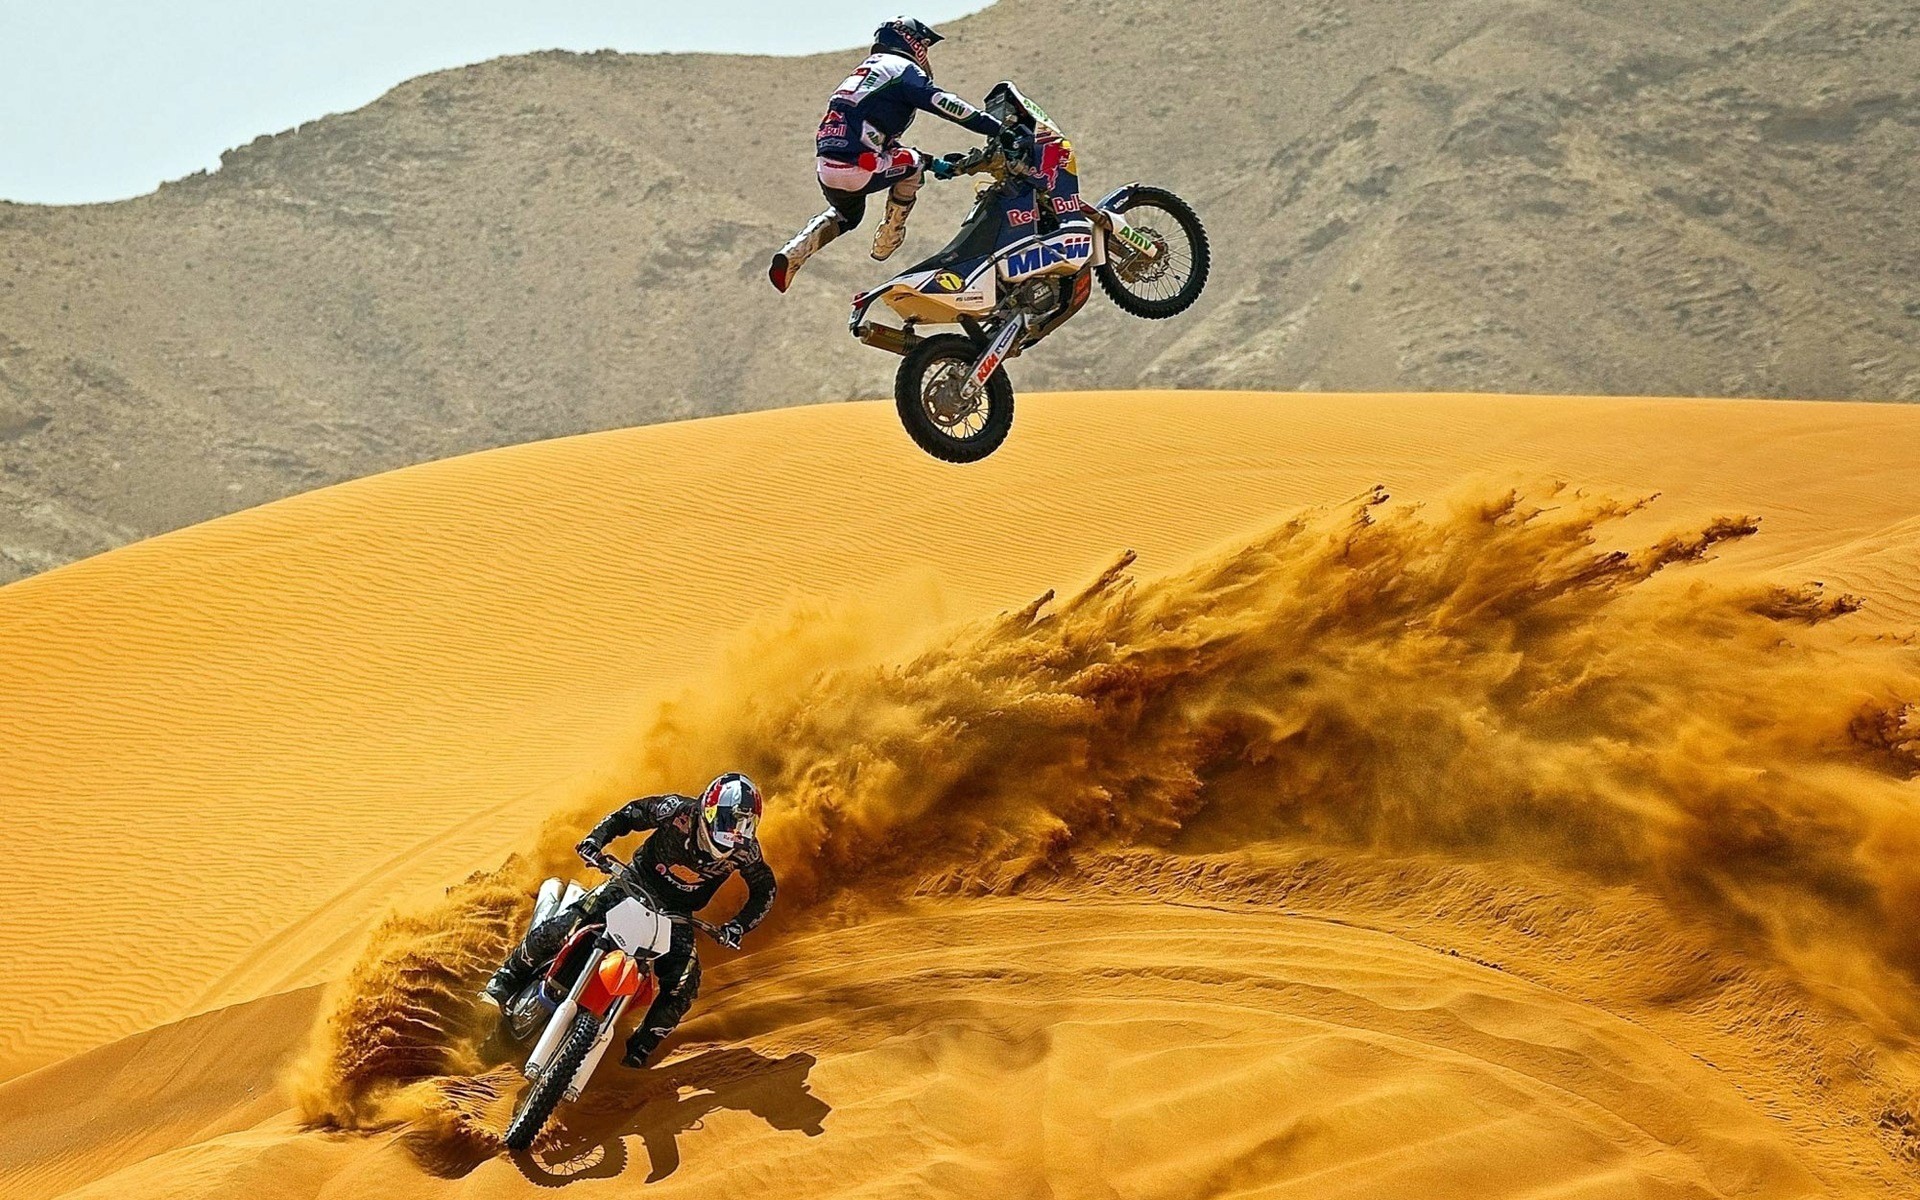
[[1056, 153]]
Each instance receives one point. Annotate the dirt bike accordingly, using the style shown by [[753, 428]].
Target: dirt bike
[[603, 969], [1023, 262]]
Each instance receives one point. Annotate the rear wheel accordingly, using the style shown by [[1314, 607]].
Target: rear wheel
[[927, 392], [1167, 284], [530, 1117]]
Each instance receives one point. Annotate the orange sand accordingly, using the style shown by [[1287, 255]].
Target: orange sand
[[230, 750]]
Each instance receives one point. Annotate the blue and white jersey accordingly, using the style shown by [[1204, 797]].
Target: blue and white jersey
[[873, 108]]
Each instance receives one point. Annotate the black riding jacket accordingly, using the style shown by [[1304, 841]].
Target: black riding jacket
[[674, 868]]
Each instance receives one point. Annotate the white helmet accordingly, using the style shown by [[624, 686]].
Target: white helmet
[[729, 814]]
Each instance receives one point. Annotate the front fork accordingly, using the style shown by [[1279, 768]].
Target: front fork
[[996, 353], [1115, 231], [563, 1016], [599, 1051], [561, 1020]]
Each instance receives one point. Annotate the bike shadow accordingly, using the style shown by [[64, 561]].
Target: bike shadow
[[588, 1139]]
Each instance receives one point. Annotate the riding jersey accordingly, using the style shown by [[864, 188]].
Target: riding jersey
[[877, 102], [673, 867]]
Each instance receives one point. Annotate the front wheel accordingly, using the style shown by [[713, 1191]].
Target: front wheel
[[927, 392], [544, 1096], [1167, 284]]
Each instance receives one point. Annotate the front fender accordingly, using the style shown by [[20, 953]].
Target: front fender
[[1118, 197]]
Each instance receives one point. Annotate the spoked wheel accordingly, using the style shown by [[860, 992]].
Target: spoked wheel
[[1168, 283], [927, 392], [539, 1100]]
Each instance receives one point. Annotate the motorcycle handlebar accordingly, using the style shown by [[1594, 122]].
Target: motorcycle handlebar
[[615, 868], [974, 162]]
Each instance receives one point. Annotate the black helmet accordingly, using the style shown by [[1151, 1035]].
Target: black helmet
[[908, 38]]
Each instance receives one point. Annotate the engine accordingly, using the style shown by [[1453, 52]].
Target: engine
[[1036, 297]]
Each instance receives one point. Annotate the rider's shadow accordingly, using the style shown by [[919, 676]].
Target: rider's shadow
[[587, 1139]]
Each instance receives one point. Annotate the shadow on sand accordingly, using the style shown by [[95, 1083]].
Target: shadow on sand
[[588, 1138]]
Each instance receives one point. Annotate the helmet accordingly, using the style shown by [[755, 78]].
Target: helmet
[[729, 814], [908, 38]]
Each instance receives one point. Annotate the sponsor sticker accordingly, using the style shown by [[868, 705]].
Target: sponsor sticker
[[854, 82], [950, 282], [1067, 248], [1020, 216], [1027, 261], [1066, 204], [1054, 156], [682, 877]]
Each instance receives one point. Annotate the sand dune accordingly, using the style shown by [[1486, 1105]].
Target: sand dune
[[262, 734]]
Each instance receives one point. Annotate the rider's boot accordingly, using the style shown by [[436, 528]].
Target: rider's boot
[[892, 231], [512, 977], [786, 264], [641, 1046]]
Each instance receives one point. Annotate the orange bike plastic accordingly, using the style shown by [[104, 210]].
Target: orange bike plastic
[[617, 975]]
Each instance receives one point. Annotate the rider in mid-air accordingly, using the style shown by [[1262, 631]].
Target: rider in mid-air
[[694, 847], [858, 150]]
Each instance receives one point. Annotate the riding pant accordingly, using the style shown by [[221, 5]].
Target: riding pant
[[848, 184]]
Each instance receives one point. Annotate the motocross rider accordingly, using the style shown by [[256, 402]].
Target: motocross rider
[[694, 847], [858, 150]]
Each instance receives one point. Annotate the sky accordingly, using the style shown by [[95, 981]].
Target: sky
[[106, 99]]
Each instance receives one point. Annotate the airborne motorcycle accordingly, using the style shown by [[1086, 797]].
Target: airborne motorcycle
[[602, 970], [1023, 262]]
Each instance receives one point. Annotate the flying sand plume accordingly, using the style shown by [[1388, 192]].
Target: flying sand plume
[[1481, 679]]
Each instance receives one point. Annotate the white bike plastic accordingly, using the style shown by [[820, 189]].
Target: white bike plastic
[[636, 928], [546, 903]]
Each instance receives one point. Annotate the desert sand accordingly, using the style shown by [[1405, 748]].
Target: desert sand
[[1344, 843]]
